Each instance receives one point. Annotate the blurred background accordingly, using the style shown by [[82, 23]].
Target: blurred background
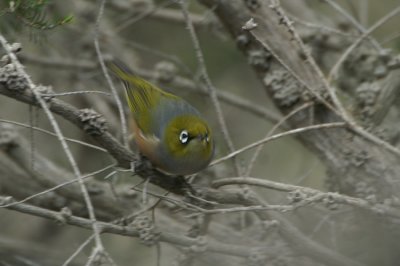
[[151, 37]]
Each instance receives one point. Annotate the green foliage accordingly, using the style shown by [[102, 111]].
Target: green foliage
[[16, 15]]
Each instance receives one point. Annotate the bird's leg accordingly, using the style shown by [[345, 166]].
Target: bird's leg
[[185, 185]]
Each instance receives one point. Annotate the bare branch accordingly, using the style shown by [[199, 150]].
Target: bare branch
[[60, 136]]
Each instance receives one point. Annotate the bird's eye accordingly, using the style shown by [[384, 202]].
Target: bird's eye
[[184, 137], [207, 138]]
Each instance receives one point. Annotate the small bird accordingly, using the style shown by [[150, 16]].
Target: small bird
[[167, 130]]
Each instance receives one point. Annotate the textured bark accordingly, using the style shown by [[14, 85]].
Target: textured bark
[[351, 160], [355, 166]]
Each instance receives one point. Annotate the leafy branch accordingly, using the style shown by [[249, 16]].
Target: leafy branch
[[31, 13]]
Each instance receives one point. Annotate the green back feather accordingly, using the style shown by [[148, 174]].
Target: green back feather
[[143, 97]]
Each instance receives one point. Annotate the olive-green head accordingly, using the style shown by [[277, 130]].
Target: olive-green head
[[187, 145]]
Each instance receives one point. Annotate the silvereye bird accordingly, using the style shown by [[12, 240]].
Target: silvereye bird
[[168, 130]]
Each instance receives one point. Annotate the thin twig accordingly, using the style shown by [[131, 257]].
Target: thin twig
[[355, 23], [78, 250], [344, 56], [321, 27], [274, 128], [326, 82], [170, 57], [140, 212], [289, 68], [69, 182], [178, 203], [323, 220], [108, 78], [314, 66], [277, 136], [203, 70], [76, 92], [378, 209], [390, 38], [53, 134], [61, 138], [302, 177], [143, 15], [173, 238], [165, 14]]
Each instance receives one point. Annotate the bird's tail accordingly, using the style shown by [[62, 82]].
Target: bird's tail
[[120, 69], [140, 94]]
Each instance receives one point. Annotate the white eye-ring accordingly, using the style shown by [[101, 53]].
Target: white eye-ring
[[207, 138], [184, 137]]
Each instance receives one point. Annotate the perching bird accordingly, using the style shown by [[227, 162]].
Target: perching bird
[[168, 130]]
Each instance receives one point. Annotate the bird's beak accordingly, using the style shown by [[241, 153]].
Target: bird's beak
[[203, 138]]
